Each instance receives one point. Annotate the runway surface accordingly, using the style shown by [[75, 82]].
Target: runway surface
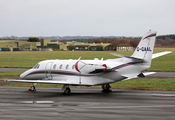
[[14, 69], [86, 104]]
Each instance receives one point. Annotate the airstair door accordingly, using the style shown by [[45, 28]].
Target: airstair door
[[48, 71]]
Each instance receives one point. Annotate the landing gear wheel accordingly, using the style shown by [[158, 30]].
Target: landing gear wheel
[[106, 88], [67, 91], [32, 88]]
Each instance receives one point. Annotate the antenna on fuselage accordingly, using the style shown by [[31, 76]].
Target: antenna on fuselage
[[101, 59]]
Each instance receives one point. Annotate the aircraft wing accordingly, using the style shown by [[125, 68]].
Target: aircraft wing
[[41, 81], [160, 54], [137, 76]]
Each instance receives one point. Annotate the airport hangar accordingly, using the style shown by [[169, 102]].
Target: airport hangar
[[46, 45], [20, 45]]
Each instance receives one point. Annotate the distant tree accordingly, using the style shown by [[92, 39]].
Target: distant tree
[[33, 39], [96, 40], [159, 42], [172, 36], [106, 40], [114, 42], [64, 41], [124, 41], [134, 43], [167, 42]]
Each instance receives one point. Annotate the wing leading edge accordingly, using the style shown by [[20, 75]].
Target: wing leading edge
[[40, 81]]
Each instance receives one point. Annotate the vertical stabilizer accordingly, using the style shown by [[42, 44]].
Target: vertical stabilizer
[[145, 48]]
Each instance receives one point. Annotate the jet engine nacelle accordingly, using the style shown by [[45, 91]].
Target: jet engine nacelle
[[83, 67]]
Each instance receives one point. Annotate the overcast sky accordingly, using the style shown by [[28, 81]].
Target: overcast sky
[[86, 17]]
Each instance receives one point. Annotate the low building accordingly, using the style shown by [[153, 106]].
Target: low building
[[82, 47], [91, 47], [19, 45], [124, 48], [57, 45], [43, 43], [110, 48], [16, 45]]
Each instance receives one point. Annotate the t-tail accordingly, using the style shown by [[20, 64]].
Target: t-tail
[[145, 49]]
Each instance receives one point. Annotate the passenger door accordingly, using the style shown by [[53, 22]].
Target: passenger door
[[48, 71]]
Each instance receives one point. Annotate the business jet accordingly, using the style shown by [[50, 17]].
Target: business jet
[[94, 72]]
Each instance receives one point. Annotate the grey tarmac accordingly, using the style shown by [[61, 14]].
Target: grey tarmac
[[86, 103], [17, 103], [14, 69]]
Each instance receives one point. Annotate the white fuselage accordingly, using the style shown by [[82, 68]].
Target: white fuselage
[[83, 72]]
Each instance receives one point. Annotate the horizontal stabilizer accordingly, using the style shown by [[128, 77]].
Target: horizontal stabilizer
[[160, 54], [130, 76], [148, 73], [126, 56]]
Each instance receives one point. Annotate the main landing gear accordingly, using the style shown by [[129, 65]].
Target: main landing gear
[[66, 90], [106, 88], [32, 88]]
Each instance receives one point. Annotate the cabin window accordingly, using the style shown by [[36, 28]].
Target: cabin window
[[67, 66], [54, 67], [61, 66], [73, 66]]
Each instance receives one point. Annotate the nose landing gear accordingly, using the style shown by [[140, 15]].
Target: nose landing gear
[[32, 88]]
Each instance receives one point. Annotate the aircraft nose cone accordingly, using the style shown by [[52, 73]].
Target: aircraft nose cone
[[25, 74], [22, 76]]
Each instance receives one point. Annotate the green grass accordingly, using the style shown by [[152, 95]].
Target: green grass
[[147, 84], [9, 74], [29, 59], [23, 59], [140, 84], [164, 63]]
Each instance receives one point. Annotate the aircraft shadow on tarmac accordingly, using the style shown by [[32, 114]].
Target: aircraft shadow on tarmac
[[85, 93]]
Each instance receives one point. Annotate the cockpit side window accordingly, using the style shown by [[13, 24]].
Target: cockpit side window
[[36, 66]]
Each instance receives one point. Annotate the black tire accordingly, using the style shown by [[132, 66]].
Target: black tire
[[67, 91], [106, 88]]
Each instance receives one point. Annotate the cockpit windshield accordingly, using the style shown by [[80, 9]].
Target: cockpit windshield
[[36, 66]]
